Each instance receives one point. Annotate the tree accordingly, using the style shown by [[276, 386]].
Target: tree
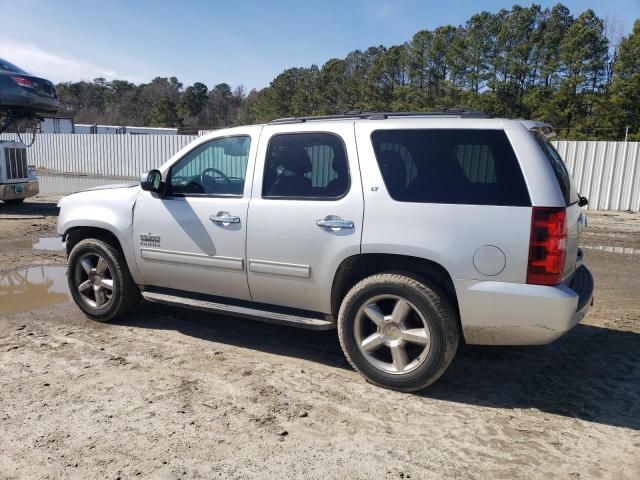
[[624, 108], [165, 114], [524, 62], [193, 99]]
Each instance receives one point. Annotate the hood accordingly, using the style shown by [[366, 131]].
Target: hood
[[111, 186]]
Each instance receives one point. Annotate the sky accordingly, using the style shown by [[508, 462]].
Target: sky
[[244, 42]]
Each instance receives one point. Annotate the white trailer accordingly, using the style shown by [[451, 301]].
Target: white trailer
[[123, 129]]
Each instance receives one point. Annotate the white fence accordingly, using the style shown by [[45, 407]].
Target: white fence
[[608, 173], [113, 155]]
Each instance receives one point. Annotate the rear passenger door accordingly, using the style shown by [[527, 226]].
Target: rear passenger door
[[305, 213]]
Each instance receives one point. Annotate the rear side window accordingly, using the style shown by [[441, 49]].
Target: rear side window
[[306, 166], [9, 67], [567, 187], [474, 167]]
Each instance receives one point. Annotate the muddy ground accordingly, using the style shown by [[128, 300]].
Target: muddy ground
[[173, 394]]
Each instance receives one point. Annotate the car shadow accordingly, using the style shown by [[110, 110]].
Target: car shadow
[[592, 373], [316, 346]]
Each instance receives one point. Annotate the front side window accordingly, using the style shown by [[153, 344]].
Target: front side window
[[473, 167], [306, 165], [218, 167]]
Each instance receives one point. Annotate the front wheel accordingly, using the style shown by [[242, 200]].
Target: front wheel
[[398, 332], [99, 280]]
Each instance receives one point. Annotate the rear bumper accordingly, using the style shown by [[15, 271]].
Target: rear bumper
[[18, 99], [8, 190], [497, 313]]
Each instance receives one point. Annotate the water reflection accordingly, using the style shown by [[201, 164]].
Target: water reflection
[[48, 243], [33, 287]]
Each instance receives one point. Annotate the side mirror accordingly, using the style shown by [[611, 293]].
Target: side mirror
[[151, 181], [583, 202]]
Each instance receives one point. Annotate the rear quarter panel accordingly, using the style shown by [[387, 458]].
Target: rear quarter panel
[[447, 234]]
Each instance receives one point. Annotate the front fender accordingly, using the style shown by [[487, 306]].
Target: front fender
[[110, 210]]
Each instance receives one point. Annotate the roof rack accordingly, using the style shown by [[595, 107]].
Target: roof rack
[[364, 115]]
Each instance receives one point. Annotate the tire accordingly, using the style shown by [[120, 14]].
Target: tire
[[397, 312], [14, 201], [86, 272]]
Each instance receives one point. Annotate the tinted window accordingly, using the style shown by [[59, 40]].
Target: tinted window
[[9, 67], [565, 183], [475, 167], [306, 165], [217, 167]]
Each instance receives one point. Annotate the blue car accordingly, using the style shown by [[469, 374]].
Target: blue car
[[24, 93]]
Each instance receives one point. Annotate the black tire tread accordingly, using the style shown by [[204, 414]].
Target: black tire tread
[[130, 291], [438, 300]]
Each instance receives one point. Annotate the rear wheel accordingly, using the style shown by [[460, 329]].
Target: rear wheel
[[99, 280], [397, 331]]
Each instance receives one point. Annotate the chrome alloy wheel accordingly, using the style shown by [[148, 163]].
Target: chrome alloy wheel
[[94, 280], [392, 334]]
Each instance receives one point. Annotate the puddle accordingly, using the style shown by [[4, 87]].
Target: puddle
[[609, 249], [65, 184], [49, 243], [53, 244], [33, 287]]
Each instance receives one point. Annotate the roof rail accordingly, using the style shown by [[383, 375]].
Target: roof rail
[[364, 115]]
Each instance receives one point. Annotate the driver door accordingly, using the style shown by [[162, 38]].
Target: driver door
[[192, 238]]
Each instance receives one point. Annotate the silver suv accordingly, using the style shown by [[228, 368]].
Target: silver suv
[[407, 232]]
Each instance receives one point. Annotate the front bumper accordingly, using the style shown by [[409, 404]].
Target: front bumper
[[497, 313], [8, 190]]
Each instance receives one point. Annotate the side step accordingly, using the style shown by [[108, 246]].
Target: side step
[[203, 304]]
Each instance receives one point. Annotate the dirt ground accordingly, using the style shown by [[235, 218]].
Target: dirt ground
[[170, 394]]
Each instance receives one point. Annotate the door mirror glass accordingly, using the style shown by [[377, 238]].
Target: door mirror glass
[[151, 181]]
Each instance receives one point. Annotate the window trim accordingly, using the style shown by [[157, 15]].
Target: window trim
[[529, 203], [168, 192], [298, 197]]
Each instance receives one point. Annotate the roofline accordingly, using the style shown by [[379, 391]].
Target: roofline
[[360, 115]]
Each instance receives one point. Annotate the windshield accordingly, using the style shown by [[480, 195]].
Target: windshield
[[9, 67]]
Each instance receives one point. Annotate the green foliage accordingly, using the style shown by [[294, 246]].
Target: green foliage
[[526, 62], [165, 114]]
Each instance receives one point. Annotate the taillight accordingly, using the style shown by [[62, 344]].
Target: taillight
[[548, 247], [23, 82]]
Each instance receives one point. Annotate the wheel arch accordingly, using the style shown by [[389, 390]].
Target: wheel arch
[[357, 267], [74, 235]]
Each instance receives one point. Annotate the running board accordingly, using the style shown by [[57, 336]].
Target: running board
[[236, 310]]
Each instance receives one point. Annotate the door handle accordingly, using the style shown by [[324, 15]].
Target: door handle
[[224, 218], [335, 224]]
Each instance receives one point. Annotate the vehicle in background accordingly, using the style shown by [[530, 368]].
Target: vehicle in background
[[21, 92], [18, 179], [406, 232]]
